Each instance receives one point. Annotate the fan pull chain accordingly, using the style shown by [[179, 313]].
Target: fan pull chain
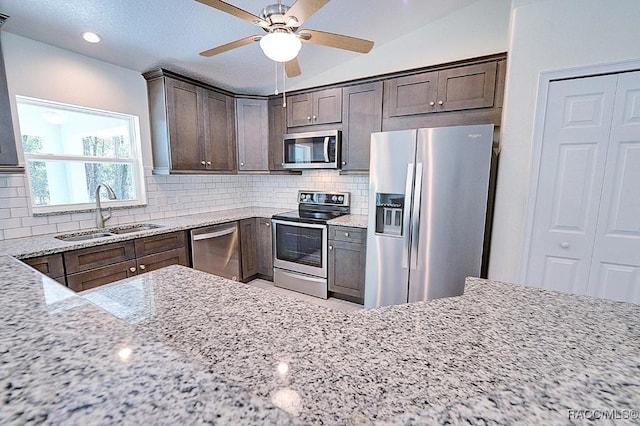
[[284, 87], [276, 73]]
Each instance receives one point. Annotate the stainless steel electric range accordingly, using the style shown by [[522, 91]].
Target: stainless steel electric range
[[300, 241]]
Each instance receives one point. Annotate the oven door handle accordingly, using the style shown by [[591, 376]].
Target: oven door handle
[[300, 224]]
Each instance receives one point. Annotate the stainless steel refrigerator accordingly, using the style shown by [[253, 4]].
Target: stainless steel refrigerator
[[427, 206]]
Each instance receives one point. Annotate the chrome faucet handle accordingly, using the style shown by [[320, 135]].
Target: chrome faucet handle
[[107, 216]]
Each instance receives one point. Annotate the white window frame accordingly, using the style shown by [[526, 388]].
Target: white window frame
[[135, 160]]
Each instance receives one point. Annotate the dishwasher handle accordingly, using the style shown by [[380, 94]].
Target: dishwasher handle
[[216, 234]]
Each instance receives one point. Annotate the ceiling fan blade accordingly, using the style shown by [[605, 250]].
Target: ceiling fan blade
[[292, 68], [229, 46], [301, 10], [336, 40], [235, 11]]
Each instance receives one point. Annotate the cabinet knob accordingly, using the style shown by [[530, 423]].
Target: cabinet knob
[[132, 269], [142, 267], [267, 224], [208, 163], [440, 102], [564, 244], [242, 164], [203, 162], [344, 163], [315, 118], [330, 247], [282, 164], [432, 103], [308, 118], [346, 234]]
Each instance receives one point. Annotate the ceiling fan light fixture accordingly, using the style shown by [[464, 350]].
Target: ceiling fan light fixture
[[280, 46]]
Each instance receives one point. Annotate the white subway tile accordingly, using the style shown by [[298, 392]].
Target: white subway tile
[[17, 233]]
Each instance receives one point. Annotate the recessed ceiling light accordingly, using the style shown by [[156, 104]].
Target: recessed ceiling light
[[91, 37]]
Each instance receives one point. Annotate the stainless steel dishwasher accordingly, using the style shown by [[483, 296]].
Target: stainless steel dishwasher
[[215, 249]]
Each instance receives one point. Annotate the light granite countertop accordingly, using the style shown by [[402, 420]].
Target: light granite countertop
[[177, 346], [42, 245]]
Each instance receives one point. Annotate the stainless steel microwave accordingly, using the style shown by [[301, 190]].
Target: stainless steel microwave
[[312, 150]]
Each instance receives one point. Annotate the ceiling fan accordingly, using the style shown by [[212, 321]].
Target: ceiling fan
[[284, 38]]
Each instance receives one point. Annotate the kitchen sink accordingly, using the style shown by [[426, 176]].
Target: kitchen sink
[[83, 237], [134, 228], [109, 232]]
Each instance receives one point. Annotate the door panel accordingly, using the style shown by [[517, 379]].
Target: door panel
[[616, 258], [574, 147]]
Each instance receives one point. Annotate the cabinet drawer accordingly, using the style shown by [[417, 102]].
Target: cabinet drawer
[[347, 234], [159, 243], [101, 276], [51, 265], [96, 257], [160, 260]]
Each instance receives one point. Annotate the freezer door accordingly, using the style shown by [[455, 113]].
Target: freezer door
[[449, 221], [390, 185]]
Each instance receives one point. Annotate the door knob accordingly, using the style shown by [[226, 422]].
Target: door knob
[[132, 269], [564, 244]]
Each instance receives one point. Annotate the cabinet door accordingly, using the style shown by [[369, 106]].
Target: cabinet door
[[96, 257], [300, 110], [412, 94], [185, 129], [327, 106], [51, 265], [264, 247], [253, 134], [160, 260], [219, 128], [248, 251], [362, 115], [347, 268], [159, 243], [467, 87], [100, 276], [277, 128]]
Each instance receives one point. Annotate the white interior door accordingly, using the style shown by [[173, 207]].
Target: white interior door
[[572, 166], [615, 270]]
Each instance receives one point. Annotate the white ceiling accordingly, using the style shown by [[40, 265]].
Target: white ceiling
[[145, 34]]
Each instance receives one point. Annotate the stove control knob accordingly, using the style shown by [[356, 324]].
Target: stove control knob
[[341, 198], [308, 196], [334, 198], [301, 197]]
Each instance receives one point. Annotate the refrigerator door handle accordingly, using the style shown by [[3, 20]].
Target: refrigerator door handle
[[406, 220], [415, 217]]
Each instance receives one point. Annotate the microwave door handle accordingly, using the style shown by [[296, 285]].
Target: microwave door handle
[[326, 149]]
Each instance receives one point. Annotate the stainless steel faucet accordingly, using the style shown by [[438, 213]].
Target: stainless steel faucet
[[100, 219]]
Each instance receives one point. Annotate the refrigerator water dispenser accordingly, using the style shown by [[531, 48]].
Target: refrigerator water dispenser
[[389, 213]]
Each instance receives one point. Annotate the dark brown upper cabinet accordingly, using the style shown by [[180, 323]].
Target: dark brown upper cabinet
[[192, 126], [319, 107], [8, 148], [277, 129], [361, 116], [253, 134]]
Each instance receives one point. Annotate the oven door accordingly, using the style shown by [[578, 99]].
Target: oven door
[[300, 247]]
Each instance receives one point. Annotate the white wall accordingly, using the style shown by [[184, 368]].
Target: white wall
[[457, 36], [547, 35]]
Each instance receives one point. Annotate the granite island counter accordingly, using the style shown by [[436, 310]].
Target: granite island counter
[[181, 346]]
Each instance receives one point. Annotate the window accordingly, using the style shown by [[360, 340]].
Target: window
[[69, 150]]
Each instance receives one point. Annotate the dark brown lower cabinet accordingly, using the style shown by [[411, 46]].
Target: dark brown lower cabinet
[[51, 265], [248, 249], [347, 259], [95, 266], [264, 243]]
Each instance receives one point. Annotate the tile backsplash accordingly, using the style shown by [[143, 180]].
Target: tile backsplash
[[179, 195]]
